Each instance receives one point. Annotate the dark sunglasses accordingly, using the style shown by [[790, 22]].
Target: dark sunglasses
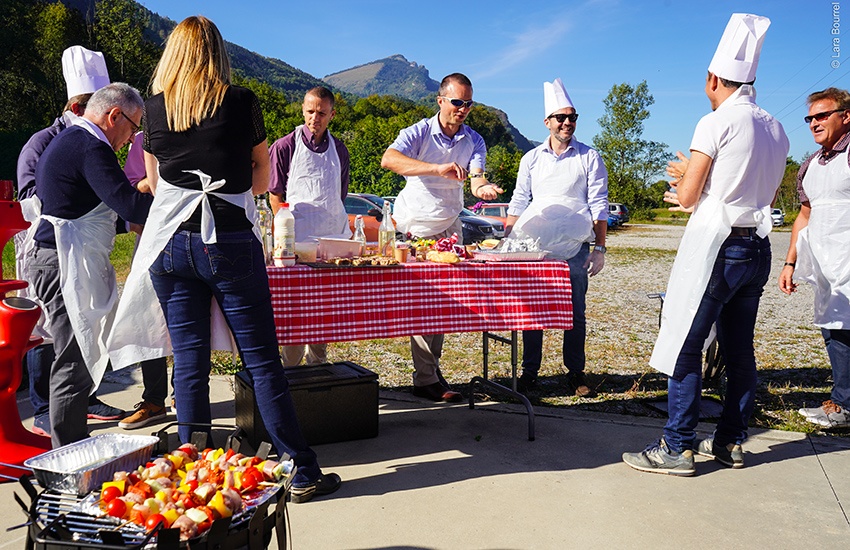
[[135, 126], [820, 117], [459, 102], [561, 117]]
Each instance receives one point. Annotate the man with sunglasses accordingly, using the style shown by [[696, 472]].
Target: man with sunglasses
[[819, 253], [738, 154], [561, 199], [436, 156]]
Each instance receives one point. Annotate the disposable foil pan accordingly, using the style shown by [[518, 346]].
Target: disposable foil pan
[[495, 256], [83, 466]]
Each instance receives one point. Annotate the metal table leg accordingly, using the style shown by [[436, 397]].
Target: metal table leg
[[485, 382]]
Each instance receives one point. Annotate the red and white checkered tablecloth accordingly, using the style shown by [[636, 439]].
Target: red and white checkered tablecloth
[[315, 305]]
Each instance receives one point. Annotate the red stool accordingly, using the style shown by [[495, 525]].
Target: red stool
[[18, 317]]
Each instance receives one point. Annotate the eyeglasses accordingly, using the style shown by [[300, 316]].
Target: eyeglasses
[[459, 102], [561, 117], [135, 126], [820, 117]]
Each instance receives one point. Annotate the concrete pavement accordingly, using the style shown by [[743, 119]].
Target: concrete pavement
[[440, 477]]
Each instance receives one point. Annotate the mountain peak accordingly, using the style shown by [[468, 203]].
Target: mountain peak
[[393, 75]]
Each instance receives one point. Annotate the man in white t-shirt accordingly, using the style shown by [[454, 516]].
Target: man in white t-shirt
[[737, 161]]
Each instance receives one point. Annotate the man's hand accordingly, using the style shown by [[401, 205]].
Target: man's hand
[[452, 171], [487, 191], [786, 280], [673, 198], [594, 263], [676, 170], [135, 227]]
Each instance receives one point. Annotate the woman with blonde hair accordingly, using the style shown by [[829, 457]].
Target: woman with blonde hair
[[206, 140]]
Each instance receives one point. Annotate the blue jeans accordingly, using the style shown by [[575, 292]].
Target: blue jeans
[[38, 361], [573, 348], [731, 300], [838, 348], [186, 276]]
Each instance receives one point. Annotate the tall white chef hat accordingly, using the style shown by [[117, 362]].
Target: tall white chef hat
[[555, 97], [84, 70], [737, 55]]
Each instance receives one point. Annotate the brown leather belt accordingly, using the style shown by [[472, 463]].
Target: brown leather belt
[[743, 232]]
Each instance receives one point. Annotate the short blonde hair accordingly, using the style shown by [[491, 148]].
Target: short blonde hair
[[839, 96], [193, 73]]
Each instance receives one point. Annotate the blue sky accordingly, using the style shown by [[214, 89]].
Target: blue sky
[[510, 48]]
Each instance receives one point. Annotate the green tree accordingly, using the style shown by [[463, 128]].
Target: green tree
[[502, 167], [633, 163], [787, 198], [56, 28], [119, 33]]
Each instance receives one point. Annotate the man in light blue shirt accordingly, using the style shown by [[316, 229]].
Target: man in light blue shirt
[[561, 199], [436, 156]]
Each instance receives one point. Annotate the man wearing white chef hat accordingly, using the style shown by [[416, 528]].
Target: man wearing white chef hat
[[561, 199], [84, 72], [737, 161]]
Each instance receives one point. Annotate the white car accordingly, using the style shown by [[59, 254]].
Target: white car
[[777, 216]]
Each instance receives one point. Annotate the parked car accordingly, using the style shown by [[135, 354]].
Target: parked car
[[477, 228], [613, 220], [369, 206], [777, 216], [619, 210], [494, 210]]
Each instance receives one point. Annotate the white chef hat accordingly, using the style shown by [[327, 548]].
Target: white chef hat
[[84, 70], [555, 97], [737, 55]]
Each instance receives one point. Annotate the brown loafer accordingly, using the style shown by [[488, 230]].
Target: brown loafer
[[577, 383], [437, 392]]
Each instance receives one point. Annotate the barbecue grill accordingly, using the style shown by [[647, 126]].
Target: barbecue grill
[[58, 521]]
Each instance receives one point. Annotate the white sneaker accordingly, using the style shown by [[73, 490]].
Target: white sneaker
[[828, 415]]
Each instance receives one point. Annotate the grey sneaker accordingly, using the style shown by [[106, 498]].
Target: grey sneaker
[[731, 455], [659, 458], [828, 415]]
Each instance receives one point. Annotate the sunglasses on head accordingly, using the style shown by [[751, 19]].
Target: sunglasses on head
[[458, 102], [820, 117], [561, 117]]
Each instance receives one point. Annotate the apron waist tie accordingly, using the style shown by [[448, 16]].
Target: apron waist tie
[[743, 232]]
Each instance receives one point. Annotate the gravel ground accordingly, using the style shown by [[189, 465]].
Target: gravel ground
[[622, 325]]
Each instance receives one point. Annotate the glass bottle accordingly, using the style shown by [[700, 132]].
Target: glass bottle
[[360, 233], [386, 232], [264, 222]]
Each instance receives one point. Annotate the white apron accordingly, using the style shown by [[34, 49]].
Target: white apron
[[428, 205], [139, 306], [557, 216], [313, 192], [87, 280], [823, 247], [24, 246], [709, 226]]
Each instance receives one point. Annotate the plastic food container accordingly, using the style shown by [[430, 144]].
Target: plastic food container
[[337, 248], [491, 256], [306, 251], [83, 466]]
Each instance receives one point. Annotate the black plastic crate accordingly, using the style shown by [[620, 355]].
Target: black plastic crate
[[334, 402]]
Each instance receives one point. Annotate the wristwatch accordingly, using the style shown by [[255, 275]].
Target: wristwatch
[[601, 248]]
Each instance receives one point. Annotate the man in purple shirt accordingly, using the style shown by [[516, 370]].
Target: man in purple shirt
[[819, 252], [309, 171]]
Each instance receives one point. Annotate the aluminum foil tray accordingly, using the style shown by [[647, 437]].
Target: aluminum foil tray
[[493, 256], [83, 466]]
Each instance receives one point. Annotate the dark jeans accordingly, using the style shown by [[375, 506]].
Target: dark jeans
[[838, 348], [731, 300], [573, 348], [37, 362], [186, 276], [155, 380]]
